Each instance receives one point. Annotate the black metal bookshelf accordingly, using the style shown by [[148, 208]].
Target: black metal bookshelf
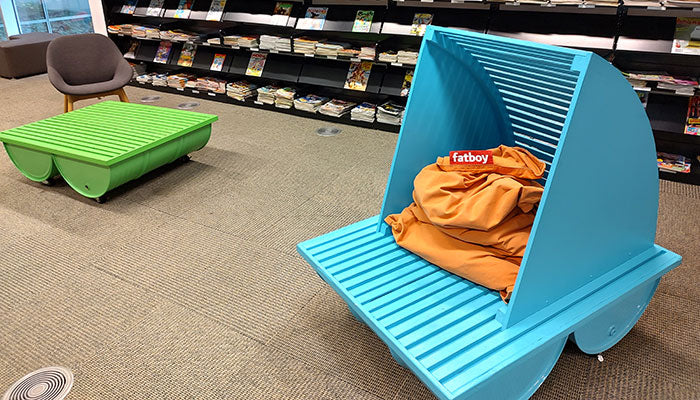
[[633, 38]]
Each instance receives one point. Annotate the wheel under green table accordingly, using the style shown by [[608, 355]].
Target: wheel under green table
[[102, 146]]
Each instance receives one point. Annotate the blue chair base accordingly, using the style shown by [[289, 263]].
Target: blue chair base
[[448, 331]]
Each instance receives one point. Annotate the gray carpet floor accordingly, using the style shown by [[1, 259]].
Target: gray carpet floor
[[186, 284]]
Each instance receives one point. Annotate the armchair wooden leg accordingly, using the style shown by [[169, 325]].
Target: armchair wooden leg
[[69, 103], [122, 95], [65, 103]]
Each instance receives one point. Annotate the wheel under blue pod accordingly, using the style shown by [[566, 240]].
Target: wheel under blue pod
[[591, 265]]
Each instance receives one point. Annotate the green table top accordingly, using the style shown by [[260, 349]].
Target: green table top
[[108, 132]]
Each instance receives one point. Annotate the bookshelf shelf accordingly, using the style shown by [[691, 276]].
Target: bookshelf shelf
[[633, 38]]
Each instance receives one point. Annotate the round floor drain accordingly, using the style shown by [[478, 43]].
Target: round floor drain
[[187, 106], [150, 99], [327, 131], [52, 383]]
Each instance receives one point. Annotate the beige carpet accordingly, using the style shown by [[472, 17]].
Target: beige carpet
[[187, 285]]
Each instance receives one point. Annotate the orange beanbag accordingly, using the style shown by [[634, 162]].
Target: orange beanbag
[[474, 220]]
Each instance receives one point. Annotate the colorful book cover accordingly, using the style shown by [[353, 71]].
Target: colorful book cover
[[154, 8], [183, 9], [163, 52], [281, 14], [672, 162], [133, 46], [256, 64], [363, 21], [216, 11], [407, 81], [692, 124], [187, 54], [218, 63], [420, 22], [314, 20], [686, 39], [358, 75], [129, 7]]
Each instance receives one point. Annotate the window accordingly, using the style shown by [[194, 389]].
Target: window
[[3, 31], [56, 16]]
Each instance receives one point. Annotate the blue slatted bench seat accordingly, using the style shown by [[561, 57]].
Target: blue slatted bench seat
[[591, 265]]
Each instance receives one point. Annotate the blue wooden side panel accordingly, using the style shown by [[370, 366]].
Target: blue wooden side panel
[[600, 206]]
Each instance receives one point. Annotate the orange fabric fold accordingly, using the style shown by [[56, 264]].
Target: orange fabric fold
[[474, 220]]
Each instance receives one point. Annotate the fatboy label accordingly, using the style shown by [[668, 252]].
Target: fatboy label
[[471, 157]]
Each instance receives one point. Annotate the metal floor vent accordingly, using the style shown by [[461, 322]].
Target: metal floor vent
[[328, 131], [187, 106], [51, 383], [150, 99]]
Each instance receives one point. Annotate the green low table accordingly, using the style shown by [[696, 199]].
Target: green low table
[[102, 146]]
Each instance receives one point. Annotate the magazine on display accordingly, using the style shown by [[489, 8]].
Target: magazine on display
[[363, 21], [216, 11], [256, 65], [154, 8], [129, 7], [187, 54], [163, 52], [692, 123], [218, 63], [183, 9], [314, 20], [281, 14], [420, 23], [133, 46], [686, 39], [669, 162], [407, 81], [358, 75]]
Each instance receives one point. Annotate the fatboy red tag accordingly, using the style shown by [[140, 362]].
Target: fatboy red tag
[[477, 157]]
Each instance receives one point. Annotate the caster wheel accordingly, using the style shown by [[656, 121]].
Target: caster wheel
[[184, 159], [50, 181], [100, 199]]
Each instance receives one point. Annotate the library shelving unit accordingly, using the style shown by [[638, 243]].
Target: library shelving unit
[[633, 38]]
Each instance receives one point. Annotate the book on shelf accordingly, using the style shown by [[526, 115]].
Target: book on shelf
[[133, 46], [407, 81], [686, 39], [187, 53], [358, 75], [669, 162], [390, 113], [364, 112], [336, 108], [163, 52], [183, 9], [155, 7], [129, 7], [281, 14], [241, 90], [216, 11], [420, 23], [683, 3], [217, 63], [310, 103], [284, 97], [256, 65], [692, 122], [363, 21], [266, 94], [314, 19]]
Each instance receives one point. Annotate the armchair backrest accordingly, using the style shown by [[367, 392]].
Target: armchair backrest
[[83, 59]]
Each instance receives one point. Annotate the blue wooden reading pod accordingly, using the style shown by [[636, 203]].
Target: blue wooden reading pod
[[591, 265]]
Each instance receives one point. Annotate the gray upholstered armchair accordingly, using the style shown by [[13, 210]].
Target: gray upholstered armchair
[[87, 66]]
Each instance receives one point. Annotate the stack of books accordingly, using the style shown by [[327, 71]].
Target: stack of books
[[349, 53], [336, 108], [160, 80], [364, 112], [231, 40], [305, 45], [146, 78], [124, 29], [284, 45], [210, 84], [177, 35], [407, 57], [191, 84], [214, 40], [388, 56], [268, 42], [152, 33], [241, 90], [668, 162], [248, 41], [180, 80], [310, 103], [390, 113], [266, 95], [368, 52], [330, 48], [138, 31], [284, 98]]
